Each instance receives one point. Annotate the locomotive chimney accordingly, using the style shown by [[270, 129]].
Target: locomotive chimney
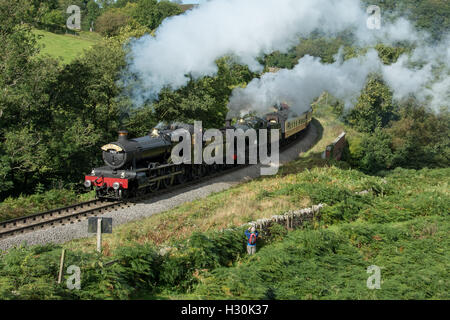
[[123, 135]]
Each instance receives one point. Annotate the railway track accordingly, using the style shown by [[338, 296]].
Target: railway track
[[60, 216], [78, 212]]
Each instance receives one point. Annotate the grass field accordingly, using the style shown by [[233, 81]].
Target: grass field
[[66, 47]]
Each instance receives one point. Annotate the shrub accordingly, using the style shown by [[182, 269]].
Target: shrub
[[180, 267], [377, 153], [110, 22], [374, 108], [276, 233], [25, 205]]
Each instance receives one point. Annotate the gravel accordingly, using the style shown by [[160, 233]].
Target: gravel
[[61, 234]]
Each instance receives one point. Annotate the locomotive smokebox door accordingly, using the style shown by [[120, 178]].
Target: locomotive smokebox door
[[106, 225]]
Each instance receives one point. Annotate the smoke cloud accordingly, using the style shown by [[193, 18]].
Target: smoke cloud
[[424, 74], [188, 45], [301, 85]]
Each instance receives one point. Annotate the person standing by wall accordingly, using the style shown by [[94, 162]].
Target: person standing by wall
[[252, 236]]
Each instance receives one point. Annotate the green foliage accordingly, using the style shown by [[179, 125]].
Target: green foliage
[[388, 54], [31, 272], [52, 114], [430, 15], [419, 138], [204, 99], [374, 108], [93, 11], [64, 46], [276, 233], [181, 266], [23, 96], [40, 201], [110, 22], [150, 13], [377, 152], [400, 223], [320, 264], [351, 195], [320, 47], [323, 48], [122, 3], [53, 17], [138, 265]]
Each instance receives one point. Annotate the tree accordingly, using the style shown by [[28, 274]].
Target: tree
[[374, 108], [204, 99], [151, 13], [110, 22], [123, 3], [421, 138], [53, 17], [53, 118], [388, 54], [24, 83], [377, 153], [165, 9], [93, 11]]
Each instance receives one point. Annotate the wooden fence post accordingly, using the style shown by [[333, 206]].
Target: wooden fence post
[[99, 235], [61, 266]]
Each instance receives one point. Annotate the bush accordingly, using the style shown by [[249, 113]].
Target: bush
[[276, 233], [374, 108], [110, 22], [53, 17], [22, 206], [318, 264], [373, 152], [150, 13], [202, 252]]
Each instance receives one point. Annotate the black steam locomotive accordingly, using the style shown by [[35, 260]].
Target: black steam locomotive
[[143, 165]]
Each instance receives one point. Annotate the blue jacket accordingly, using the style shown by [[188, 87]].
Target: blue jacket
[[247, 233]]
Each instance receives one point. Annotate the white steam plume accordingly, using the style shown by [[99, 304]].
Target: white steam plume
[[301, 85], [425, 74], [345, 80], [188, 45]]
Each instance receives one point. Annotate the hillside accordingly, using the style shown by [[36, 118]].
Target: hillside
[[385, 204], [67, 47], [399, 223]]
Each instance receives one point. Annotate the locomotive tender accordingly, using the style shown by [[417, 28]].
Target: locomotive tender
[[143, 165]]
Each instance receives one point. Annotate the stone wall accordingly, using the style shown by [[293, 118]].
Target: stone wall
[[290, 220]]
